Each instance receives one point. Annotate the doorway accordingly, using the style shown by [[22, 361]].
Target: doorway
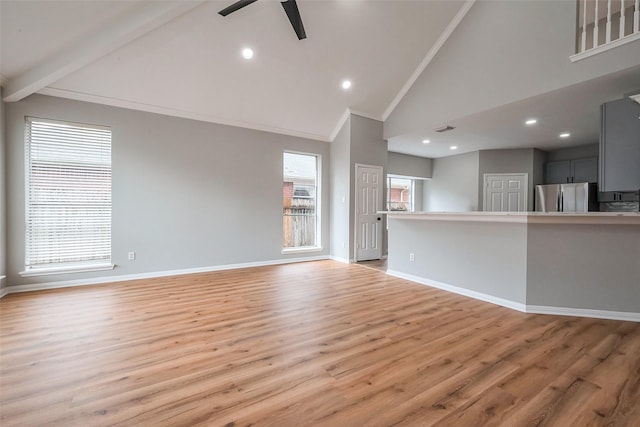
[[505, 192], [368, 229]]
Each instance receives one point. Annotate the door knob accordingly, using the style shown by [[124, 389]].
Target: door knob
[[379, 218]]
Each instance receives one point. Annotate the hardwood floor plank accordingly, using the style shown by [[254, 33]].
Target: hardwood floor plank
[[308, 344]]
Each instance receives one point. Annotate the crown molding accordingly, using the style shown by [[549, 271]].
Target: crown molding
[[157, 109], [365, 115], [343, 119]]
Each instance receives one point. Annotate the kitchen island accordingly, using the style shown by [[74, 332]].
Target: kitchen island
[[583, 264]]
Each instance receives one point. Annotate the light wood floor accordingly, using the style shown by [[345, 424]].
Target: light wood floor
[[310, 344]]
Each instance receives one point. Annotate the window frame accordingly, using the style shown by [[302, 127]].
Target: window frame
[[104, 262], [318, 205], [412, 190]]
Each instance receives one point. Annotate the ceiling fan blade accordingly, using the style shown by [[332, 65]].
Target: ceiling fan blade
[[291, 8], [237, 5]]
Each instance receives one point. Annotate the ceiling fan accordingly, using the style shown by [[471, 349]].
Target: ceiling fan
[[290, 7]]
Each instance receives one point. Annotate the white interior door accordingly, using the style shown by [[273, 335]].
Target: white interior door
[[505, 192], [368, 230]]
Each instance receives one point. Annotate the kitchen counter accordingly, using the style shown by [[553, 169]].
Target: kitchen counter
[[583, 264]]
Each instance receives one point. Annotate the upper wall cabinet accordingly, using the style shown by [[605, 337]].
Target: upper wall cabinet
[[579, 170], [620, 146]]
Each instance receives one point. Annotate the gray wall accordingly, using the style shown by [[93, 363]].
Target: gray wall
[[358, 142], [186, 194], [574, 266], [511, 161], [573, 153], [502, 52], [584, 266], [368, 148], [454, 186], [408, 165], [3, 200], [341, 192], [457, 181], [490, 258], [418, 194]]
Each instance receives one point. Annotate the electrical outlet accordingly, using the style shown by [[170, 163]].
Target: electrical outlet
[[412, 257], [132, 256]]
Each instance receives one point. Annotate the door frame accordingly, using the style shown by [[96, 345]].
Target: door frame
[[526, 188], [355, 206]]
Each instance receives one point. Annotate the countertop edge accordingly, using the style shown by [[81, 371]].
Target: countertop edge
[[624, 218]]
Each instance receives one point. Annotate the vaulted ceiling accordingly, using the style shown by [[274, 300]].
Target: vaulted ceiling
[[182, 58]]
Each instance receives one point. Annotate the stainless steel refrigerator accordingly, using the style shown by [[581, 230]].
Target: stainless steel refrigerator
[[580, 197]]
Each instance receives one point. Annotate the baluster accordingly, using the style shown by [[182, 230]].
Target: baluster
[[608, 26], [622, 20], [584, 25], [595, 27], [636, 18]]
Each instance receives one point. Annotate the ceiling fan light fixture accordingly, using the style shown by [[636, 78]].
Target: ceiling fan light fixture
[[290, 8]]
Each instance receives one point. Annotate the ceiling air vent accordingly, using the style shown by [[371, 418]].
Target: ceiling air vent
[[444, 128]]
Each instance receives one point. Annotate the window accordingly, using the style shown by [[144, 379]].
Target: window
[[399, 194], [68, 194], [300, 220]]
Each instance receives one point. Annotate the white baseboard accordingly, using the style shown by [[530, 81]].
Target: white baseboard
[[152, 275], [461, 291], [532, 309], [342, 260], [584, 312]]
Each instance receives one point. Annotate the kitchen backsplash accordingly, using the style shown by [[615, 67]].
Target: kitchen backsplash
[[620, 207]]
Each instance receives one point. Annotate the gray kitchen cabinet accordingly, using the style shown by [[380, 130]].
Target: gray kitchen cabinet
[[620, 146], [584, 170], [579, 170]]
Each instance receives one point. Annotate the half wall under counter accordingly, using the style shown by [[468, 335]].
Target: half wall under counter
[[581, 264]]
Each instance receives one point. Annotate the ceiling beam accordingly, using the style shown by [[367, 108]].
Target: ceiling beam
[[143, 18]]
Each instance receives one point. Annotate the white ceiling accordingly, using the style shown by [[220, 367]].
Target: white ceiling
[[574, 109], [182, 58]]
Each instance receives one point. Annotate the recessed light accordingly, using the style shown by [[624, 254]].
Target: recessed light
[[247, 53], [531, 122], [565, 135], [453, 147], [346, 84], [426, 141]]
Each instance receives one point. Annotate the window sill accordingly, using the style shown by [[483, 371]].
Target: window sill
[[46, 271], [301, 250]]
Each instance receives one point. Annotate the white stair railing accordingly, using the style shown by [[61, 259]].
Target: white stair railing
[[610, 17]]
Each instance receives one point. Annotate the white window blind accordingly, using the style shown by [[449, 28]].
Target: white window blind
[[68, 184]]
